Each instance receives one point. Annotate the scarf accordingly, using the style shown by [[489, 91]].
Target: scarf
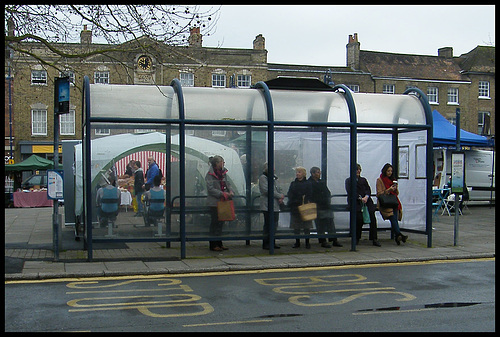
[[388, 183], [220, 174]]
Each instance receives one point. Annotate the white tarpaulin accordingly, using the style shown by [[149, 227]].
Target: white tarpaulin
[[374, 150]]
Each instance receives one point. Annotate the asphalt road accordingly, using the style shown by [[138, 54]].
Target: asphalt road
[[430, 296]]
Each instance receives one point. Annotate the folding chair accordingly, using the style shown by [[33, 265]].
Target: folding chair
[[154, 210], [109, 209]]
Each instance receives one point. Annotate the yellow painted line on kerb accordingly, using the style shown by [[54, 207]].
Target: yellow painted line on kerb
[[227, 323], [242, 272]]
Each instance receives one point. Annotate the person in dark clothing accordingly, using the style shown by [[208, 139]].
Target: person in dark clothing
[[130, 168], [321, 195], [264, 199], [363, 191], [299, 192], [138, 186]]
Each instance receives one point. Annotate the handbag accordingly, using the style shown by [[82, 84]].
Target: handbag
[[366, 215], [308, 211], [388, 201], [225, 210]]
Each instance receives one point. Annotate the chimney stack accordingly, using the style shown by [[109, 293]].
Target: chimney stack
[[259, 43], [195, 38], [446, 52], [353, 47], [85, 36]]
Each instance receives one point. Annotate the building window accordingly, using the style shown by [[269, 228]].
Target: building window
[[38, 77], [353, 87], [101, 77], [39, 122], [484, 89], [67, 123], [244, 81], [453, 96], [144, 130], [187, 79], [483, 123], [218, 133], [102, 132], [70, 74], [388, 89], [432, 95], [218, 80]]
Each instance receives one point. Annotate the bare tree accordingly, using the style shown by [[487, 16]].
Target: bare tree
[[111, 25]]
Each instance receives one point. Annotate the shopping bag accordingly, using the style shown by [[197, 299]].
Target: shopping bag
[[366, 215], [308, 211], [225, 210]]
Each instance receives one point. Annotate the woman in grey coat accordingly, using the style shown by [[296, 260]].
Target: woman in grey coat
[[218, 189], [277, 199]]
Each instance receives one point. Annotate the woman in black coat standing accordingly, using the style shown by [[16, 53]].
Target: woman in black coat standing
[[363, 196], [299, 192]]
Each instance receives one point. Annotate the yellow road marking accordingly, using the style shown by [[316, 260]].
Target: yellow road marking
[[240, 272], [228, 323]]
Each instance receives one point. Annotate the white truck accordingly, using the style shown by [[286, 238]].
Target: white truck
[[479, 172]]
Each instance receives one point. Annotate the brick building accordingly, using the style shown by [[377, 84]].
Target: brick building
[[467, 81]]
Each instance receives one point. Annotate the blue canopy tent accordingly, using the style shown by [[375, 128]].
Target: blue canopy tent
[[444, 134]]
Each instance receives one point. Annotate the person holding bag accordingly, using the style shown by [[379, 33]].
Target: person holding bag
[[387, 185], [321, 195], [218, 189], [364, 205], [299, 192]]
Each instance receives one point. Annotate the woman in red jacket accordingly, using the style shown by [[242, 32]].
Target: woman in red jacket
[[386, 184]]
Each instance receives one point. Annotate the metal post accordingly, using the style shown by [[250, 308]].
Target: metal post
[[55, 223], [455, 227]]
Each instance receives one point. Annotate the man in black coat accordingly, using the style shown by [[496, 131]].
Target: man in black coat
[[363, 197], [321, 195]]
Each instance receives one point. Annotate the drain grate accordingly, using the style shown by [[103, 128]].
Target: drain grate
[[280, 315], [425, 306]]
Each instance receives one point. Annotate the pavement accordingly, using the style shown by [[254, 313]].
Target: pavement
[[29, 251]]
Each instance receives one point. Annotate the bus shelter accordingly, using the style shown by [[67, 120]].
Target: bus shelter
[[285, 125]]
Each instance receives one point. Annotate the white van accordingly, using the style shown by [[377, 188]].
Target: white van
[[479, 172]]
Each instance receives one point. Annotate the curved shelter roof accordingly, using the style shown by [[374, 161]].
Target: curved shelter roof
[[305, 106]]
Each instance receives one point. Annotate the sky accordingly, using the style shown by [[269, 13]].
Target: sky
[[318, 34]]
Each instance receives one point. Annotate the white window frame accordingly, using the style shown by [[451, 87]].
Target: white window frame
[[353, 87], [101, 77], [389, 89], [186, 79], [218, 133], [139, 131], [433, 95], [218, 80], [67, 123], [484, 89], [38, 77], [102, 132], [70, 74], [453, 96], [38, 122], [243, 81]]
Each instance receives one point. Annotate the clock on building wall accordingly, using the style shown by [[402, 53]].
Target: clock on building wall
[[144, 62]]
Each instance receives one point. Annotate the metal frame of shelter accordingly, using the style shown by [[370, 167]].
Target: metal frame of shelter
[[270, 125]]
